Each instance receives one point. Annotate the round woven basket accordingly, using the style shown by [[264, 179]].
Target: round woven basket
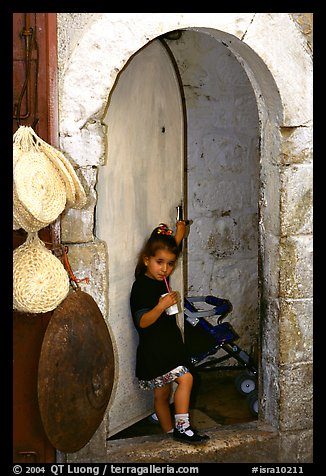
[[40, 281], [39, 187]]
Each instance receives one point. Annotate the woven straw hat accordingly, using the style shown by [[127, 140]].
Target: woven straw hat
[[26, 139], [45, 182], [40, 281], [22, 218], [39, 187], [76, 196]]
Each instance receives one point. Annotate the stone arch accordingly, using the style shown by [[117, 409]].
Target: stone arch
[[112, 38], [257, 42]]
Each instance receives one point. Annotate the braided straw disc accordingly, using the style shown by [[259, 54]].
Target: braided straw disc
[[22, 218], [40, 281], [39, 187]]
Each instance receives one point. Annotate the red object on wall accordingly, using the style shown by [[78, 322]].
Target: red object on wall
[[35, 105]]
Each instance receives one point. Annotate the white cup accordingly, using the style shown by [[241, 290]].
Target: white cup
[[170, 311]]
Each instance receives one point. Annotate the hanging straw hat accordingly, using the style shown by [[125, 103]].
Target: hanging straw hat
[[40, 281], [45, 182], [26, 139], [39, 187], [22, 218], [76, 196]]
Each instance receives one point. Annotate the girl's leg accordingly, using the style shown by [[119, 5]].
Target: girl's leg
[[182, 393], [181, 403], [183, 430], [162, 407]]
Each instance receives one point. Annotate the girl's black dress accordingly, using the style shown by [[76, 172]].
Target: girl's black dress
[[161, 347]]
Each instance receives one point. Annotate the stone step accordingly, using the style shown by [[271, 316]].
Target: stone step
[[242, 443]]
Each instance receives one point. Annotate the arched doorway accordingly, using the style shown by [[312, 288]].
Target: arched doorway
[[221, 172], [86, 115]]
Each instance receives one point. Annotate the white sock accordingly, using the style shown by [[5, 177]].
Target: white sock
[[170, 431], [182, 422]]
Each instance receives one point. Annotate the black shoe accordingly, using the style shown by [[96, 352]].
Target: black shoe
[[196, 438]]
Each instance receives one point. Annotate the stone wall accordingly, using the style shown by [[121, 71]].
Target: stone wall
[[275, 51], [222, 179]]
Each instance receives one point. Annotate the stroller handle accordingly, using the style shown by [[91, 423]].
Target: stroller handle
[[222, 307]]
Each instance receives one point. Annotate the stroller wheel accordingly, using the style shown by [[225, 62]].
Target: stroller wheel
[[252, 400], [245, 383]]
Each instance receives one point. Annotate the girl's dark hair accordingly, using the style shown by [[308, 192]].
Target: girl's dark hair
[[160, 239]]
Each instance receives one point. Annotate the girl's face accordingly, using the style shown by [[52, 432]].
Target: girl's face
[[161, 265]]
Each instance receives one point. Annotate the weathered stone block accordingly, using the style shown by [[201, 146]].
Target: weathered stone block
[[297, 145], [296, 331], [268, 374], [295, 92], [296, 447], [297, 200], [90, 260], [269, 264], [269, 201], [296, 397], [270, 331], [296, 267]]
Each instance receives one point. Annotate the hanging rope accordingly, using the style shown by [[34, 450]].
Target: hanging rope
[[73, 280], [61, 252]]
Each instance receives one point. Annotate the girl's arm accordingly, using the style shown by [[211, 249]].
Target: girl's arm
[[180, 231], [151, 316]]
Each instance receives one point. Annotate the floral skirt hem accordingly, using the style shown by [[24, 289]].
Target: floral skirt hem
[[163, 379]]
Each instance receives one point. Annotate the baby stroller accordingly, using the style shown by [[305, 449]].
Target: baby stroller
[[203, 339]]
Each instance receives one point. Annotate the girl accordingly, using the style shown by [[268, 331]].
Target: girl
[[161, 356]]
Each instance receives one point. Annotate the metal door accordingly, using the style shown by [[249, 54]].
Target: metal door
[[139, 187]]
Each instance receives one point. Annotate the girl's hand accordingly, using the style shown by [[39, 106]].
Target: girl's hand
[[168, 300], [180, 231], [164, 302]]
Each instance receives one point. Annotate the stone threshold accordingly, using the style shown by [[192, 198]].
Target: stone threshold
[[241, 443]]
